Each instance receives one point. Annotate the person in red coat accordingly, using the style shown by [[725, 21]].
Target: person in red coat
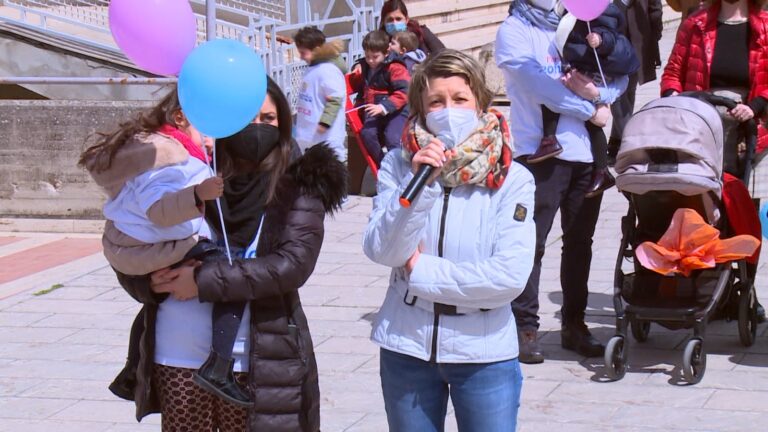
[[724, 46]]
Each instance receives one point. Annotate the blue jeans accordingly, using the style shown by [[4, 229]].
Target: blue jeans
[[485, 396]]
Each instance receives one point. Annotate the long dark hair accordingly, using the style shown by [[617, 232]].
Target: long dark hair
[[390, 6], [99, 157], [277, 162]]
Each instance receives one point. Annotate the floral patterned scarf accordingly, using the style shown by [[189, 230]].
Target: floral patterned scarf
[[483, 159]]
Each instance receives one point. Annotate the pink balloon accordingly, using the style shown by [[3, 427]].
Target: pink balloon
[[586, 10], [157, 35]]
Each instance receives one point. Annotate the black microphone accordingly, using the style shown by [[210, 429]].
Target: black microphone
[[417, 183], [420, 179]]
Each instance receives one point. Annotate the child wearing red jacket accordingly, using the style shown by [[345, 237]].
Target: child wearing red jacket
[[382, 80]]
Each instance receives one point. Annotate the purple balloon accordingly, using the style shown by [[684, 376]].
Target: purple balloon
[[157, 35], [586, 10]]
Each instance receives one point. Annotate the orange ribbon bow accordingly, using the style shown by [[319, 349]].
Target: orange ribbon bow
[[691, 244]]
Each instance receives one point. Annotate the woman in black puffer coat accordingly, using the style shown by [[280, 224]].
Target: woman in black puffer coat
[[274, 209]]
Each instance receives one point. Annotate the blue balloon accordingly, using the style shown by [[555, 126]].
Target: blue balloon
[[222, 86], [764, 219]]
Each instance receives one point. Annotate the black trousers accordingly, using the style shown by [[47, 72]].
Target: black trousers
[[226, 316], [561, 185], [226, 322], [622, 110]]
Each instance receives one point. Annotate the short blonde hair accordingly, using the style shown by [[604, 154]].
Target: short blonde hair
[[447, 63]]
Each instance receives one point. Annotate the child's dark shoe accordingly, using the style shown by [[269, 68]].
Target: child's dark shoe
[[602, 179], [205, 251], [215, 376], [548, 148]]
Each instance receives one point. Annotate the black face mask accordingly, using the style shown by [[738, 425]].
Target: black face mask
[[253, 143]]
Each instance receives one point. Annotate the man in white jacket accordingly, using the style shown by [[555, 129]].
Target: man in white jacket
[[527, 55]]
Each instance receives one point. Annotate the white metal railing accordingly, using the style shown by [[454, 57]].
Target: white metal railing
[[257, 23], [93, 16], [275, 9]]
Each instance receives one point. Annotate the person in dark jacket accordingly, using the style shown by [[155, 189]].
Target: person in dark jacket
[[600, 50], [644, 30], [394, 19], [274, 209]]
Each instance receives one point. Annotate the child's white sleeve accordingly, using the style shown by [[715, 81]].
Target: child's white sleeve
[[167, 198], [334, 90]]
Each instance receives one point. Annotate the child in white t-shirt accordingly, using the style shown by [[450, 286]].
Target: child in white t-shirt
[[320, 117]]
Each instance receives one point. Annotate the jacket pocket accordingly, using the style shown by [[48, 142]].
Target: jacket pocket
[[295, 335]]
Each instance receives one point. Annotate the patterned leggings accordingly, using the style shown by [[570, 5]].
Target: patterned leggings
[[185, 407]]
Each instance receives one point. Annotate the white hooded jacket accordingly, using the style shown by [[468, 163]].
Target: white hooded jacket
[[477, 254]]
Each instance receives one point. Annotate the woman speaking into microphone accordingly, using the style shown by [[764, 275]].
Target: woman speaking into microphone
[[460, 252]]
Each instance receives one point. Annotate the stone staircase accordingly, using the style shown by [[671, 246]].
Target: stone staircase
[[42, 34], [71, 38]]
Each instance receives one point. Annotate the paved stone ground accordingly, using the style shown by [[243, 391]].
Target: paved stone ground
[[59, 350]]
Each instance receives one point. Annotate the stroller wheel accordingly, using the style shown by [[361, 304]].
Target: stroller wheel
[[615, 358], [747, 316], [694, 361], [640, 330]]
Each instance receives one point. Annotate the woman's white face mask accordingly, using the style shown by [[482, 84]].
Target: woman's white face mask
[[546, 5], [452, 126]]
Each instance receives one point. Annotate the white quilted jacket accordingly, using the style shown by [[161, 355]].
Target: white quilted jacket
[[478, 247]]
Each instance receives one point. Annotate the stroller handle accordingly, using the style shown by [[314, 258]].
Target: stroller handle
[[711, 99], [749, 126]]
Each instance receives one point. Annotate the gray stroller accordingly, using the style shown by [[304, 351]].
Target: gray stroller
[[671, 157]]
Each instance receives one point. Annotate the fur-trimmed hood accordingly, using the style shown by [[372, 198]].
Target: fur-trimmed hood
[[320, 174], [330, 52]]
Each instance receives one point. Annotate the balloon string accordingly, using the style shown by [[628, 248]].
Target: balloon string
[[356, 108], [218, 201], [597, 58]]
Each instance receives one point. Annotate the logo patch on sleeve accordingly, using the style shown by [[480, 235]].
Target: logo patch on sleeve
[[520, 213]]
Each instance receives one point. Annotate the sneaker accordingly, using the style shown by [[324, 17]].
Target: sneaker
[[530, 353], [576, 337], [601, 180], [548, 148]]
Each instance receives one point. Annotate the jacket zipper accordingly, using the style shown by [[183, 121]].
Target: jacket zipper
[[440, 246]]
